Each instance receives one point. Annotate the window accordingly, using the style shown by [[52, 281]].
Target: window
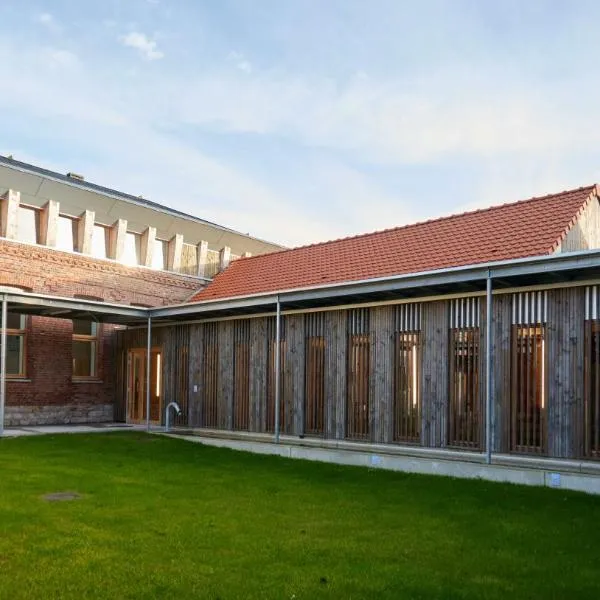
[[159, 255], [465, 410], [85, 348], [314, 394], [100, 238], [592, 388], [528, 373], [407, 369], [66, 233], [16, 336], [358, 367], [592, 373], [407, 396], [28, 224], [464, 403], [271, 376], [132, 249]]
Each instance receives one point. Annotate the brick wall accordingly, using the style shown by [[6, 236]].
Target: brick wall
[[48, 394]]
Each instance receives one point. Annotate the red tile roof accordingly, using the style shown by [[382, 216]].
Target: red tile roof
[[531, 227]]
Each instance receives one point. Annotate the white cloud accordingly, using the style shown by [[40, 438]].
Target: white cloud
[[147, 48], [47, 20], [58, 58], [240, 61], [396, 121]]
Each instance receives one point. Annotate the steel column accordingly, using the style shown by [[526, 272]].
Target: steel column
[[277, 368], [488, 370], [148, 366]]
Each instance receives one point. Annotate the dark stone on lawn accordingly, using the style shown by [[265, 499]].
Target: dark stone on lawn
[[61, 496]]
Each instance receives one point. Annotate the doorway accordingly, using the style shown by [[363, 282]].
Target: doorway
[[136, 385]]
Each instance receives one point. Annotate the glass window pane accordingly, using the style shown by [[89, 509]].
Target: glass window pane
[[65, 236], [27, 225], [14, 354], [159, 255], [83, 327], [131, 252], [84, 358], [100, 242], [14, 321]]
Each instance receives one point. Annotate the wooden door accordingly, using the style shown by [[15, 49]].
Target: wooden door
[[136, 386]]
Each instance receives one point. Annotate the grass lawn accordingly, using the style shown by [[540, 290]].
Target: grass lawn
[[163, 518]]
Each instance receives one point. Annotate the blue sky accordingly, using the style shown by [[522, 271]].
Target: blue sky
[[303, 120]]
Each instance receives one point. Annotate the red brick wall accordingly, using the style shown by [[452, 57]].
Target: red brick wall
[[48, 381], [67, 274]]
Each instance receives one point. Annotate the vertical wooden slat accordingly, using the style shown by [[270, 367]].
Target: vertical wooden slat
[[314, 411], [435, 373], [241, 375], [358, 373], [258, 371]]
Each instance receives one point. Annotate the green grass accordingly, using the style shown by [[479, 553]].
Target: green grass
[[163, 518]]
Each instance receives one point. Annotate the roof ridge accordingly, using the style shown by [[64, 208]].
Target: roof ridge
[[591, 187]]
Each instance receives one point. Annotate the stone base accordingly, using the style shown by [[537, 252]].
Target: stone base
[[21, 416]]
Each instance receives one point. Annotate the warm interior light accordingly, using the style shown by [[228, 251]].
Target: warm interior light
[[158, 375], [414, 374], [543, 385]]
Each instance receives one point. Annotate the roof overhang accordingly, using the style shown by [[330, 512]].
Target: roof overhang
[[573, 267], [72, 308], [524, 272]]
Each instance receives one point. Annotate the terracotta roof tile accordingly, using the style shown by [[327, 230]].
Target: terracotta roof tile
[[527, 228]]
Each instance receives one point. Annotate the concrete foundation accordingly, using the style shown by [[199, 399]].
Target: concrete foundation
[[572, 475], [20, 416]]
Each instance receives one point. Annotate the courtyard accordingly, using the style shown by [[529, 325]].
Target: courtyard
[[133, 515]]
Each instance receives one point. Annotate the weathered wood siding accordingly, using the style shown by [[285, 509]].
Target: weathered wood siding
[[196, 360], [258, 374], [501, 347], [294, 372], [335, 373], [434, 368], [565, 352], [226, 374], [184, 364], [585, 233], [382, 373]]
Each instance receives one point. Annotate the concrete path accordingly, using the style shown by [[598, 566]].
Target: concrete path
[[49, 429]]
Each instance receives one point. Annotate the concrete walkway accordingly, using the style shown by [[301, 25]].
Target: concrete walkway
[[50, 429]]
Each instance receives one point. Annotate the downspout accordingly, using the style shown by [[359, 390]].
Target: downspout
[[3, 364], [148, 367], [277, 368], [488, 369]]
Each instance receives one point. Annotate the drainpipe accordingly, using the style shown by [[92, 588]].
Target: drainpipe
[[488, 370], [277, 368], [148, 366], [3, 364]]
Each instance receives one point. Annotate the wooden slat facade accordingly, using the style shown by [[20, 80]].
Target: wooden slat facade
[[404, 374]]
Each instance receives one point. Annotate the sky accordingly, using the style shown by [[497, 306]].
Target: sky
[[303, 120]]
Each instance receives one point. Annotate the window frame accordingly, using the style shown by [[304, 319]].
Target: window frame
[[93, 339], [74, 232], [22, 333], [466, 412], [36, 210], [529, 389], [407, 402]]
